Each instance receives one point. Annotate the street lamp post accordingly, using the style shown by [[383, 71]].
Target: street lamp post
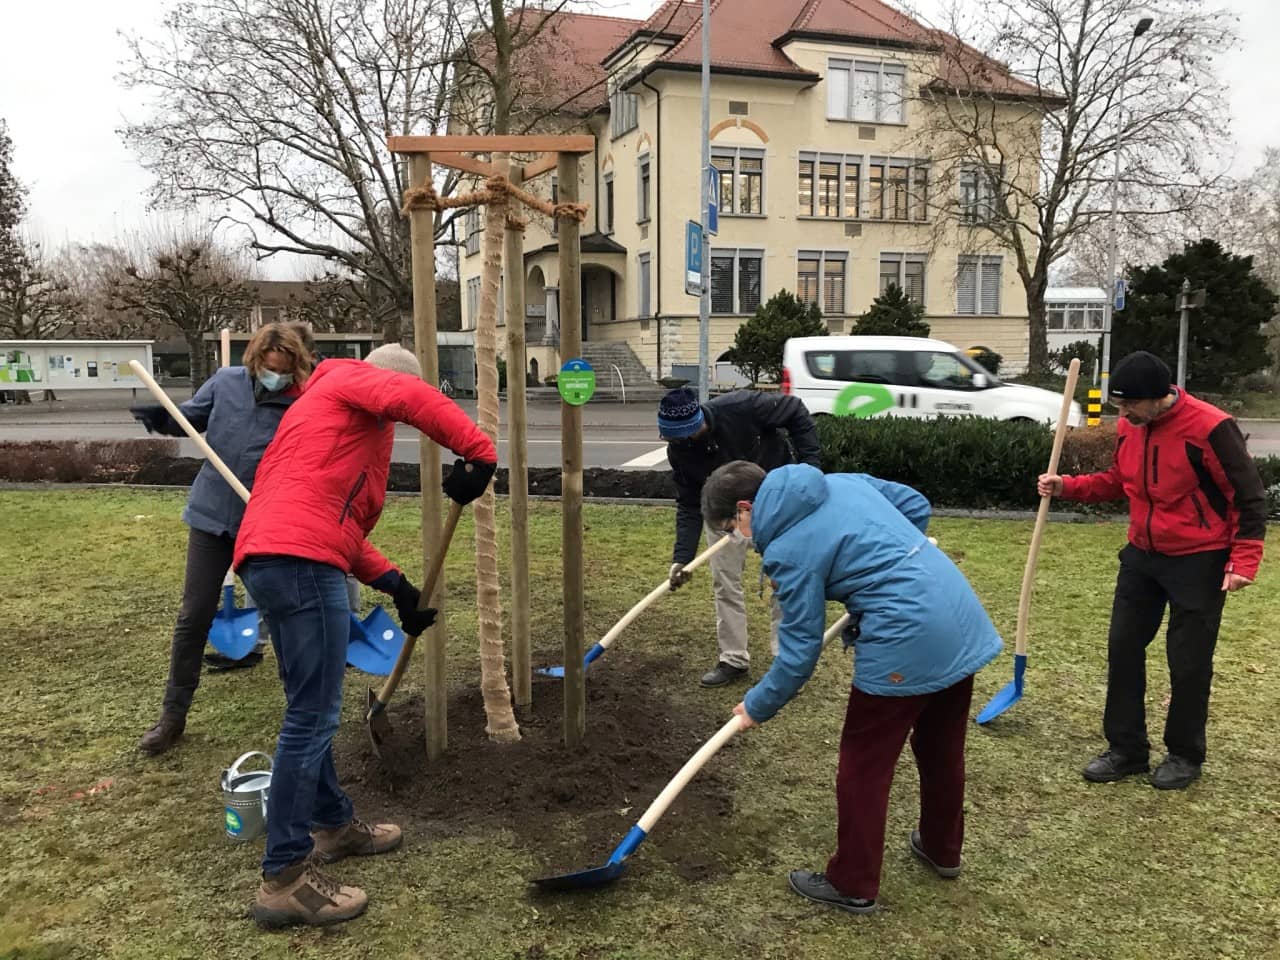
[[1142, 27], [704, 302]]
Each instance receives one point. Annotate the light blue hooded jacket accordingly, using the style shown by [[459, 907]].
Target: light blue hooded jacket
[[861, 541]]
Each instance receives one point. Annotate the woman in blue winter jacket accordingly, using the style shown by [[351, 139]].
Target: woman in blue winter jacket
[[238, 410], [919, 636]]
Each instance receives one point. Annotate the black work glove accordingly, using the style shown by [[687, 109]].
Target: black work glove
[[156, 419], [406, 597], [852, 630], [468, 480]]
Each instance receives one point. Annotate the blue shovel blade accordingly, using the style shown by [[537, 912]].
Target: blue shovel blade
[[558, 672], [584, 879], [375, 643], [1010, 694], [234, 632], [597, 876]]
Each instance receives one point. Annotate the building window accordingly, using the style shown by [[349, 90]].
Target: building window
[[865, 91], [624, 112], [741, 172], [904, 271], [977, 194], [642, 205], [608, 203], [897, 189], [471, 230], [820, 279], [978, 286], [473, 302], [645, 282], [830, 185], [736, 277], [1075, 317]]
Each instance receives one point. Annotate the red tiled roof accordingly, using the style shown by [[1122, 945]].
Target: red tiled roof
[[742, 35], [564, 60], [746, 36], [867, 19]]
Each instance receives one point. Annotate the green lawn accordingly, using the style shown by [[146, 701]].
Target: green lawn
[[1055, 867]]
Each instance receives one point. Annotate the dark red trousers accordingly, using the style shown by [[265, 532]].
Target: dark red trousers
[[875, 729]]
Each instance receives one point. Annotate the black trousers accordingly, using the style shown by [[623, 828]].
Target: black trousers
[[208, 559], [1191, 587]]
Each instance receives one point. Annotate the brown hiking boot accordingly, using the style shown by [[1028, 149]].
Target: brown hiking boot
[[301, 894], [164, 734], [356, 839]]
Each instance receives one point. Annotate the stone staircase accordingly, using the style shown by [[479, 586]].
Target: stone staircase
[[604, 356]]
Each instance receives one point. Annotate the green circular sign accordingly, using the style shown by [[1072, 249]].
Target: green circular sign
[[576, 382]]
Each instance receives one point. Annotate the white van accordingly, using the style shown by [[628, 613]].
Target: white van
[[906, 377]]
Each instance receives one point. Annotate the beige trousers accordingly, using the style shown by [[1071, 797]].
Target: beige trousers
[[731, 610]]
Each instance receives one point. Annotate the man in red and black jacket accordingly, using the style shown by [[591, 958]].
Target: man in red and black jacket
[[1197, 519], [316, 498]]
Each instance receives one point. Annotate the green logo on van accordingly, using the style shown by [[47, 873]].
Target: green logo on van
[[862, 400]]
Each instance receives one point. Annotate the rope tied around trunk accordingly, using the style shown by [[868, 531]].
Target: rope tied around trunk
[[497, 190]]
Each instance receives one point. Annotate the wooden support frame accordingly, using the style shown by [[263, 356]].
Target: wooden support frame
[[575, 691], [566, 151], [518, 459], [422, 231], [576, 144]]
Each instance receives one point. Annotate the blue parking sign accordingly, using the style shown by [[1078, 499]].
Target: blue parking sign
[[693, 258]]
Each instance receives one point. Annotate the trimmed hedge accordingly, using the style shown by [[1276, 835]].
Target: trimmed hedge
[[974, 463]]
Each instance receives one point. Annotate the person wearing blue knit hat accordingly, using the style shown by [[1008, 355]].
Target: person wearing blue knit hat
[[768, 429]]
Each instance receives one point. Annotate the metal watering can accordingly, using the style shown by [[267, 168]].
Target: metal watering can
[[244, 799]]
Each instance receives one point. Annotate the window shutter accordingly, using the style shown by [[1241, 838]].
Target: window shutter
[[838, 91], [833, 288], [722, 284], [865, 82], [967, 287], [891, 96], [991, 285], [748, 282], [807, 278], [913, 280]]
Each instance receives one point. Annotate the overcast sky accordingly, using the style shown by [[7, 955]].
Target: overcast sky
[[58, 93]]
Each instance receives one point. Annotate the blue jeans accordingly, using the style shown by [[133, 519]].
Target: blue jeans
[[307, 610]]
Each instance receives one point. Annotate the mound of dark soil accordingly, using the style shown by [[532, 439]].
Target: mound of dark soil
[[568, 810]]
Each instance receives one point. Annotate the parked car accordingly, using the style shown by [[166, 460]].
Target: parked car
[[907, 377]]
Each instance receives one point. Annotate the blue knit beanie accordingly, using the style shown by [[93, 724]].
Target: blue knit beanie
[[679, 414]]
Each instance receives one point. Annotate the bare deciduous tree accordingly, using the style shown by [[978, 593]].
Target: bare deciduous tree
[[185, 281], [275, 113], [1024, 156]]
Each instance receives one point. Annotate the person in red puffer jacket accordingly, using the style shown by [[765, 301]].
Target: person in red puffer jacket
[[317, 495], [1197, 520]]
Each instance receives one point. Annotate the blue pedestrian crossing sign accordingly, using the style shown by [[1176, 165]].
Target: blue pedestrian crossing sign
[[1120, 291], [713, 201], [693, 258]]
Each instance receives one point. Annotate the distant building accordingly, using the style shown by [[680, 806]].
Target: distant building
[[1073, 314]]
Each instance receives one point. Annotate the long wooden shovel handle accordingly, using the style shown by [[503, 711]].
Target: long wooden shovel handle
[[158, 392], [1042, 515], [687, 773], [424, 601], [661, 590]]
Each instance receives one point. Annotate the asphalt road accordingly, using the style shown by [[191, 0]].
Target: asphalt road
[[614, 435]]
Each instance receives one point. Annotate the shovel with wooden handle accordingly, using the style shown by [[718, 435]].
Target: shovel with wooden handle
[[376, 718], [628, 618], [1012, 691]]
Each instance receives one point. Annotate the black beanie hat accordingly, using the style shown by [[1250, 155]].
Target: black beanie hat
[[1140, 376]]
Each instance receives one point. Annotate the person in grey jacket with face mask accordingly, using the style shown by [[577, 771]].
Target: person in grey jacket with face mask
[[238, 409]]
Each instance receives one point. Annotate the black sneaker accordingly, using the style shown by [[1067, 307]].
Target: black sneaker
[[1111, 766], [816, 887], [722, 674], [1175, 773], [917, 847]]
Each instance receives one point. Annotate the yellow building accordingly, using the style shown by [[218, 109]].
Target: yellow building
[[836, 176]]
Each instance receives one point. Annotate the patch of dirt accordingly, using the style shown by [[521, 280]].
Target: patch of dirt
[[568, 810], [404, 478]]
